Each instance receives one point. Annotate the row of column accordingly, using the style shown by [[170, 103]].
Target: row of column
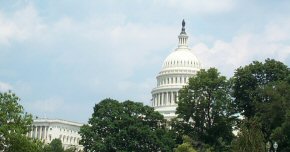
[[165, 98], [182, 40], [172, 80], [38, 132], [69, 139]]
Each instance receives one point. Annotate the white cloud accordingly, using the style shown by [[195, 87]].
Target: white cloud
[[246, 47], [21, 25], [5, 87]]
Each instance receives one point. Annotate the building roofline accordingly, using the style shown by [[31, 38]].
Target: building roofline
[[47, 120]]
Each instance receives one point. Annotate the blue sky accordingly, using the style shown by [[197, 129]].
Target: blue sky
[[63, 57]]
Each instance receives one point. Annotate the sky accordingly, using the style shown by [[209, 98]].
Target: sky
[[61, 57]]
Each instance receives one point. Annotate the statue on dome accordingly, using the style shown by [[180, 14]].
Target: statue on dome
[[183, 23], [183, 29]]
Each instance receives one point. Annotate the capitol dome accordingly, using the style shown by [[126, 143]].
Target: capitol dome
[[176, 70], [181, 58]]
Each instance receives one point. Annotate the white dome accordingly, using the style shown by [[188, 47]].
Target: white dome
[[181, 58]]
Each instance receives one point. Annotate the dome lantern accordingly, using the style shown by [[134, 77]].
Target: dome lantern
[[182, 37]]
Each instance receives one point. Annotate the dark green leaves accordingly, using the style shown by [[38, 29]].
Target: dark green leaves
[[204, 108], [126, 126]]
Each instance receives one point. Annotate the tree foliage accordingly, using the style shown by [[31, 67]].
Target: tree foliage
[[205, 109], [250, 137], [126, 126], [262, 91], [186, 146], [14, 124], [71, 149], [248, 80], [56, 145], [275, 112]]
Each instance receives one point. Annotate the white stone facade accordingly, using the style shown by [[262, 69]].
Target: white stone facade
[[49, 129], [177, 68]]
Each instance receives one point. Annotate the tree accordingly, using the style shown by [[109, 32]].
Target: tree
[[262, 90], [24, 144], [250, 78], [14, 124], [54, 146], [71, 149], [186, 146], [281, 134], [274, 113], [205, 111], [250, 137], [126, 126]]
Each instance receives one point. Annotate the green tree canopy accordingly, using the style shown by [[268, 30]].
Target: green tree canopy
[[274, 113], [54, 146], [250, 137], [262, 91], [250, 78], [186, 146], [14, 124], [126, 126], [205, 109]]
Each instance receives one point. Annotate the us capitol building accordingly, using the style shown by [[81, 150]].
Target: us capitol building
[[176, 70]]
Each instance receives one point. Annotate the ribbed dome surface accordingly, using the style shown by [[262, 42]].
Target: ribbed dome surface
[[181, 57]]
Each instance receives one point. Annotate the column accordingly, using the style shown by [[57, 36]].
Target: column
[[160, 102], [31, 132], [174, 97], [177, 96], [161, 95], [167, 98], [44, 135], [40, 132], [157, 99], [152, 104], [36, 132], [171, 98], [153, 100], [47, 131], [164, 99]]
